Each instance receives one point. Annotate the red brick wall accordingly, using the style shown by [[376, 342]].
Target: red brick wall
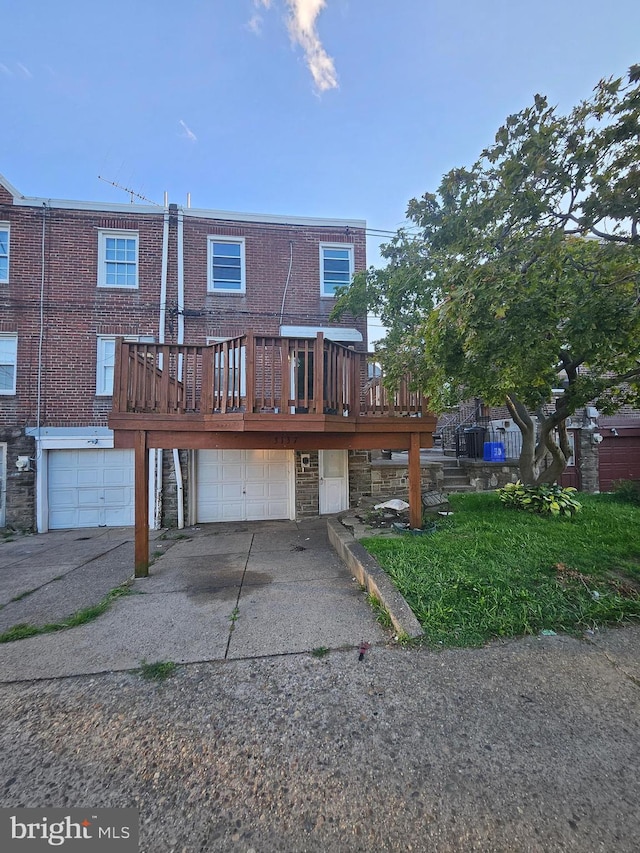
[[76, 310]]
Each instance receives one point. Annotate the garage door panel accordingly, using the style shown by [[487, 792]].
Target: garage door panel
[[117, 497], [242, 485], [62, 518], [87, 497]]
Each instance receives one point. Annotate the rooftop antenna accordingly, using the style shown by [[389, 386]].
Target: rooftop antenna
[[131, 192]]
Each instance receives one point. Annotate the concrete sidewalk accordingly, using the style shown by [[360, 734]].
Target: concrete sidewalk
[[214, 592]]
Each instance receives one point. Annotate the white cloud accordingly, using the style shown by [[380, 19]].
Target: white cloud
[[302, 29], [256, 20], [188, 133], [255, 24], [25, 71], [6, 71]]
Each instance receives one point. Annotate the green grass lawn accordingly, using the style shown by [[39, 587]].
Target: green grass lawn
[[490, 572]]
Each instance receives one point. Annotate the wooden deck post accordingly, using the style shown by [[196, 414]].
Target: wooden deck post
[[141, 497], [318, 375], [415, 487], [250, 370]]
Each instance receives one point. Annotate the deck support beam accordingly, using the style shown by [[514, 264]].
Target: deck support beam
[[141, 498], [415, 486]]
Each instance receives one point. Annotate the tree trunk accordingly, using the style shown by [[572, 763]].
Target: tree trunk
[[533, 452]]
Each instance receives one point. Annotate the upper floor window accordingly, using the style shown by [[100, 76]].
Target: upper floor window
[[226, 265], [8, 361], [4, 252], [117, 258], [336, 267]]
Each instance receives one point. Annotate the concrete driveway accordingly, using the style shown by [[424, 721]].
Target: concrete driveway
[[214, 592], [526, 746]]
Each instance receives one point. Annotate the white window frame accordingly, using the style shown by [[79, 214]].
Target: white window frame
[[240, 369], [349, 247], [11, 337], [103, 235], [4, 226], [211, 286], [104, 388]]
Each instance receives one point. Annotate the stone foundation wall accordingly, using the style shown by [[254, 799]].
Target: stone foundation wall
[[20, 506], [307, 485], [485, 476], [380, 480], [169, 514]]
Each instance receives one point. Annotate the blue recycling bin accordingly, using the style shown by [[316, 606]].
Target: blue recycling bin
[[494, 451]]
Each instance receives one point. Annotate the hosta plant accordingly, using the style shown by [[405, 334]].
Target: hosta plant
[[544, 499]]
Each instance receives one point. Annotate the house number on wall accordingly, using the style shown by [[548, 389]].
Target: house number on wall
[[285, 440]]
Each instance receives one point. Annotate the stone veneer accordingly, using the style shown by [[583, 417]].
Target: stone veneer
[[21, 485], [381, 479], [307, 485]]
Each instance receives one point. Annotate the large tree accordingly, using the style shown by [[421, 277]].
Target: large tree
[[520, 276]]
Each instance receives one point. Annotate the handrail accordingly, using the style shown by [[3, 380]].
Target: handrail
[[254, 373]]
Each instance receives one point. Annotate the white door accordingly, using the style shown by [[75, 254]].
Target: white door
[[243, 485], [90, 488], [334, 481]]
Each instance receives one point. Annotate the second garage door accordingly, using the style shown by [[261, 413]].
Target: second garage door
[[619, 460], [243, 485]]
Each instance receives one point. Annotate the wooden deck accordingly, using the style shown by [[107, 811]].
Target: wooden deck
[[259, 392]]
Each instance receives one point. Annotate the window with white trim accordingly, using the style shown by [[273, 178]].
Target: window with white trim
[[237, 374], [106, 358], [117, 258], [4, 252], [226, 265], [8, 362], [336, 267], [105, 363]]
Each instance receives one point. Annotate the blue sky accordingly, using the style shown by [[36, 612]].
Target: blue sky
[[337, 108]]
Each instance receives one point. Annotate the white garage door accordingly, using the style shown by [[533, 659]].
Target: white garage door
[[90, 488], [243, 485]]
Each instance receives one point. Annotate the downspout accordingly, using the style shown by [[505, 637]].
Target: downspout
[[42, 510], [176, 455], [157, 454]]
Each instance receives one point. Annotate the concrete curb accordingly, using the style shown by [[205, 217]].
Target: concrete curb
[[375, 580]]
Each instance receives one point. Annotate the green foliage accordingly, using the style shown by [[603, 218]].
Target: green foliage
[[521, 273], [320, 652], [627, 491], [545, 499], [80, 617], [382, 614], [157, 671], [488, 573]]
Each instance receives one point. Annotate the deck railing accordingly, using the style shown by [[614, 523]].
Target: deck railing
[[256, 374]]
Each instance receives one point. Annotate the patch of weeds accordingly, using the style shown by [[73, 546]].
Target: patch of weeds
[[235, 615], [23, 595], [320, 652], [382, 614], [157, 671], [80, 617], [20, 632]]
